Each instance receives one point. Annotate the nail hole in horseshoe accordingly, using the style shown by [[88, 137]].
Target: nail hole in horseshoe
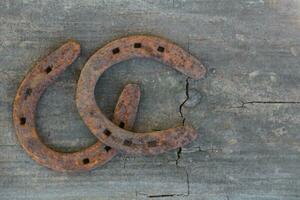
[[22, 120], [107, 132], [137, 45], [86, 161], [161, 49], [107, 148], [28, 92], [152, 143], [122, 125], [127, 142], [48, 69], [116, 50]]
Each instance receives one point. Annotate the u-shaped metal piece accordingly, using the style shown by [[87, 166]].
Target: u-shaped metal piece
[[138, 46], [24, 108]]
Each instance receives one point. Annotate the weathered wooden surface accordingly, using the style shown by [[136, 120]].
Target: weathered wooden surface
[[247, 109]]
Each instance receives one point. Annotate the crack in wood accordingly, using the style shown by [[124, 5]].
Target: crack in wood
[[182, 116], [163, 195], [186, 99], [178, 155], [171, 194], [243, 104]]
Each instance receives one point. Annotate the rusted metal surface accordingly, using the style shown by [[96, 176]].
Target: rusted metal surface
[[26, 100], [126, 107], [117, 51]]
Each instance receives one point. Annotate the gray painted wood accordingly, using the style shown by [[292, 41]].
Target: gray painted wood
[[246, 110]]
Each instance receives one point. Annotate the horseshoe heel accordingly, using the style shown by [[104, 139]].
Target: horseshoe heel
[[26, 100], [118, 51]]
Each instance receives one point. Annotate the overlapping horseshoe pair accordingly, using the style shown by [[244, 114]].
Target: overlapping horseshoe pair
[[112, 135]]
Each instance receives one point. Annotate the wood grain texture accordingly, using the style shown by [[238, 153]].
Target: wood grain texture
[[247, 109]]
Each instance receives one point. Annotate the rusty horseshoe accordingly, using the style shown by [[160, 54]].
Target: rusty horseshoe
[[25, 103], [138, 46]]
